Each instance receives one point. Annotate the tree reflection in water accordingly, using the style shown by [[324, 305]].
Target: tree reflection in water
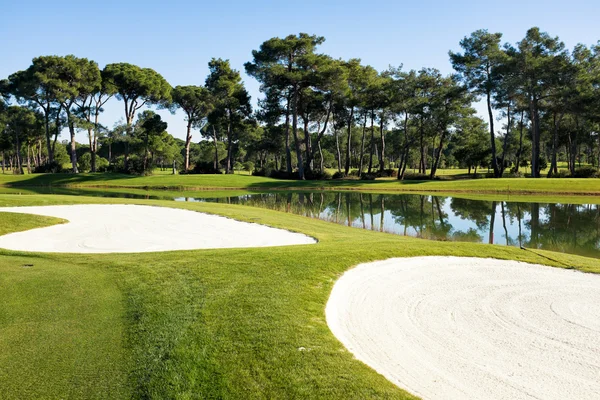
[[568, 228]]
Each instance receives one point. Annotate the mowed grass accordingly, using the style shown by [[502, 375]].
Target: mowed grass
[[231, 323], [514, 186], [11, 222]]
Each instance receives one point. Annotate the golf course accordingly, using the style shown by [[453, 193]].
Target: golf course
[[290, 201], [217, 322]]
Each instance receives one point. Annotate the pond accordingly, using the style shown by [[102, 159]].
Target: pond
[[568, 228], [562, 227]]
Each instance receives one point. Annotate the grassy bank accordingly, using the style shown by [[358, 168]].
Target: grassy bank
[[506, 186], [198, 324]]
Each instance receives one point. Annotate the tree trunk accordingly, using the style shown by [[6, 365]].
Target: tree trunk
[[372, 143], [520, 151], [73, 143], [348, 144], [337, 149], [308, 147], [216, 164], [535, 142], [438, 156], [492, 135], [382, 152], [288, 153], [229, 146], [362, 147], [505, 144], [423, 161], [28, 158], [48, 144], [554, 164], [296, 139], [188, 141]]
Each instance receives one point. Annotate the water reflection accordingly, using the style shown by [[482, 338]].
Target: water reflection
[[569, 228]]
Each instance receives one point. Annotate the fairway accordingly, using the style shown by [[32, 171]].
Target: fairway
[[229, 323]]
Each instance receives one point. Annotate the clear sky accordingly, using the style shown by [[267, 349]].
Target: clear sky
[[178, 38]]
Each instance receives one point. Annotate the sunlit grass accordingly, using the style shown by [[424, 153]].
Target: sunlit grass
[[198, 324]]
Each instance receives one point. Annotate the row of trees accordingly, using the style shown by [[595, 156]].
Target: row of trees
[[543, 103]]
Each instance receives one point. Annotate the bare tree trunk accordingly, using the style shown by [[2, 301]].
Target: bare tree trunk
[[337, 149], [520, 151], [288, 153], [382, 153], [438, 156], [535, 143], [216, 164], [308, 146], [296, 139], [73, 143], [362, 147], [349, 141], [505, 144], [229, 145], [492, 135], [28, 158], [188, 142], [372, 143]]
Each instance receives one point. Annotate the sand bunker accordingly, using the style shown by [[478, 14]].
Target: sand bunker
[[471, 328], [117, 228]]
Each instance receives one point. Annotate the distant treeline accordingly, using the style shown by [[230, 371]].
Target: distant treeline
[[316, 112]]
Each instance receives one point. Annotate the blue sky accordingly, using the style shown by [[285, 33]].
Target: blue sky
[[178, 38]]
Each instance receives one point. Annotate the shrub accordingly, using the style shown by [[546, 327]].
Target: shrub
[[513, 174], [317, 175], [338, 175], [237, 166], [53, 167], [101, 164], [585, 172], [353, 172], [411, 176], [248, 166], [204, 167], [388, 173], [365, 176], [84, 163]]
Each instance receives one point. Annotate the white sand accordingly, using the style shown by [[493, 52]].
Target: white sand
[[471, 328], [117, 228]]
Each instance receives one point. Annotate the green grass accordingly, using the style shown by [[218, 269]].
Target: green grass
[[508, 186], [11, 222], [198, 324]]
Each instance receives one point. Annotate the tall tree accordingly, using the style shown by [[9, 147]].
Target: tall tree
[[196, 103], [476, 67], [136, 87], [288, 65], [538, 56], [232, 101]]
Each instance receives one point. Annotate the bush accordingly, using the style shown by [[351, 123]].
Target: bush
[[84, 163], [513, 174], [365, 176], [248, 166], [338, 175], [53, 167], [237, 166], [318, 175], [101, 164], [353, 172], [586, 172], [203, 167], [262, 172], [388, 173]]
